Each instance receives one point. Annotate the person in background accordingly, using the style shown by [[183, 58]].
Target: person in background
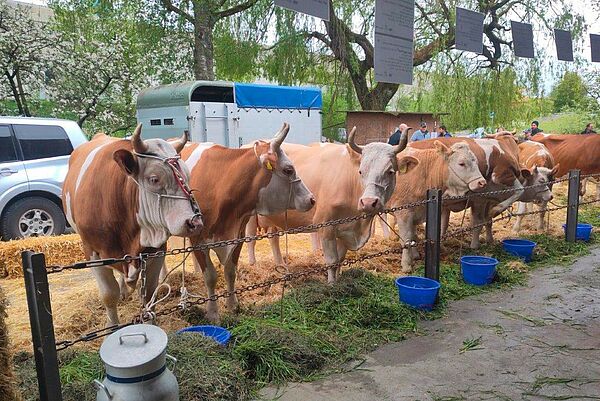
[[395, 137], [589, 129], [535, 129], [443, 132], [421, 134]]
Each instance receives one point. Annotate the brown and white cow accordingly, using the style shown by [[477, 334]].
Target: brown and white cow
[[347, 180], [236, 184], [125, 197], [453, 169], [535, 157], [498, 158]]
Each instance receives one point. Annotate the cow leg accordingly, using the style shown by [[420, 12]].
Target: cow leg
[[384, 227], [124, 289], [109, 291], [522, 209], [502, 206], [329, 243], [542, 215], [341, 252], [203, 263], [597, 182], [582, 189], [476, 219], [316, 244], [276, 249], [230, 269], [445, 220], [154, 268], [164, 271], [406, 231], [251, 228]]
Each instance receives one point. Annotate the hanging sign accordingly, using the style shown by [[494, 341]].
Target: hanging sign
[[522, 36], [394, 43], [316, 8], [469, 30], [564, 45], [595, 45]]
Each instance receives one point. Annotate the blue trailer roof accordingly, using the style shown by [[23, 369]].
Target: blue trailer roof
[[277, 97]]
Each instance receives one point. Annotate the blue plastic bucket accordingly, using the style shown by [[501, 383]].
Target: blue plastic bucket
[[418, 292], [519, 247], [219, 334], [478, 270], [584, 231]]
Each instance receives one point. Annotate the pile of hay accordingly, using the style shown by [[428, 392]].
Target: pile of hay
[[8, 389], [60, 250]]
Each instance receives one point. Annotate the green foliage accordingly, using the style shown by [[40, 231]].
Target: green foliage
[[569, 93], [567, 123]]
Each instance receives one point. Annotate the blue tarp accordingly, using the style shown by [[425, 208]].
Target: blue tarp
[[277, 97]]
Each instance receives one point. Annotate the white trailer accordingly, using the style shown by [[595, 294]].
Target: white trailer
[[228, 113]]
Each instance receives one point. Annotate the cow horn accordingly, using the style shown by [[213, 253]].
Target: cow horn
[[403, 141], [136, 140], [357, 148], [180, 143], [280, 136]]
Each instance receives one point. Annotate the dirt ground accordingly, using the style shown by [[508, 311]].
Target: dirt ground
[[540, 342], [77, 309]]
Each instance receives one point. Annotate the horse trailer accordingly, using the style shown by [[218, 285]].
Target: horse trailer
[[228, 113]]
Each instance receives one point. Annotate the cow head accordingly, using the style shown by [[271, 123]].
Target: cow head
[[463, 169], [285, 189], [539, 178], [377, 169], [165, 205]]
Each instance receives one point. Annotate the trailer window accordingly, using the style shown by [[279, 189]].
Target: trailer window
[[168, 121], [217, 94], [155, 122]]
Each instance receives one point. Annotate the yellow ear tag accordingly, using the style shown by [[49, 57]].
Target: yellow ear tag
[[402, 169], [269, 166]]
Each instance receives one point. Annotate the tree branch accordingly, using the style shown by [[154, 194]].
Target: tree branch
[[173, 8], [236, 9]]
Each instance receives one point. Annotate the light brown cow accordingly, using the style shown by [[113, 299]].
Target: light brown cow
[[453, 169], [127, 197], [537, 159], [237, 183], [346, 180]]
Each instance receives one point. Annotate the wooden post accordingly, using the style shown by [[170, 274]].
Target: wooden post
[[433, 234], [573, 205]]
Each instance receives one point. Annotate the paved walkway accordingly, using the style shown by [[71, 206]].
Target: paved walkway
[[541, 342]]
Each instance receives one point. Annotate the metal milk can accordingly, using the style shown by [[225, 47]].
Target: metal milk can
[[135, 361]]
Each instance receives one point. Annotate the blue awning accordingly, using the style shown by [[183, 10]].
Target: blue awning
[[277, 97]]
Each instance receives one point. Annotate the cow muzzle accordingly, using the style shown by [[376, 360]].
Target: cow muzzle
[[370, 205], [477, 184]]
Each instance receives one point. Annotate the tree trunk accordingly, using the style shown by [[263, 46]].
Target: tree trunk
[[24, 105], [15, 90], [203, 42]]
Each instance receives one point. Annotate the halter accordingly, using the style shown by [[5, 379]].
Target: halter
[[467, 183], [173, 163]]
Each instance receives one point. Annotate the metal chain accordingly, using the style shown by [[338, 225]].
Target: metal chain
[[501, 191]]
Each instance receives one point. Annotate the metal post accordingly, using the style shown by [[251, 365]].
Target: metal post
[[573, 205], [432, 234], [42, 327]]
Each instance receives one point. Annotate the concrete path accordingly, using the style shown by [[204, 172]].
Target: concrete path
[[540, 342]]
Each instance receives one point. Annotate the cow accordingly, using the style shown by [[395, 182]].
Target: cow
[[236, 184], [535, 157], [126, 197], [573, 152], [453, 169], [498, 159], [347, 180]]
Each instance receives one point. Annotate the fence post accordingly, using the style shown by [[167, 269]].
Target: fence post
[[573, 205], [42, 326], [432, 234]]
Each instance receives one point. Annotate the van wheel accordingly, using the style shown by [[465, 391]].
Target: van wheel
[[32, 217]]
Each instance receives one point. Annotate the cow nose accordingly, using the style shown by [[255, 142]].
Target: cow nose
[[369, 204], [195, 223], [551, 197], [312, 200], [481, 183]]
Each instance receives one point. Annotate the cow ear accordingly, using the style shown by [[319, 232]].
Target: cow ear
[[406, 164], [525, 173], [126, 161], [441, 148], [554, 170]]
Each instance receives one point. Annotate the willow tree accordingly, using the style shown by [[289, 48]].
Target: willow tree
[[347, 37]]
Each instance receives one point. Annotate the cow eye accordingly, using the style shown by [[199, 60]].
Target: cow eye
[[391, 172], [462, 164], [359, 172], [288, 170], [153, 179]]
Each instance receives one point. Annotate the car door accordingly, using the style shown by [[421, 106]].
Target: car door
[[13, 176]]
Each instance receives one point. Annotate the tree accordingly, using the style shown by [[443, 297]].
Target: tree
[[203, 16], [28, 49], [569, 93]]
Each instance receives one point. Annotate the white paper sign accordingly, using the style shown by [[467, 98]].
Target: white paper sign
[[316, 8], [595, 45], [522, 35], [469, 30], [395, 18], [564, 45], [393, 59]]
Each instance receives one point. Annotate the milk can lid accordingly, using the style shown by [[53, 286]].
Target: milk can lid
[[133, 346]]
